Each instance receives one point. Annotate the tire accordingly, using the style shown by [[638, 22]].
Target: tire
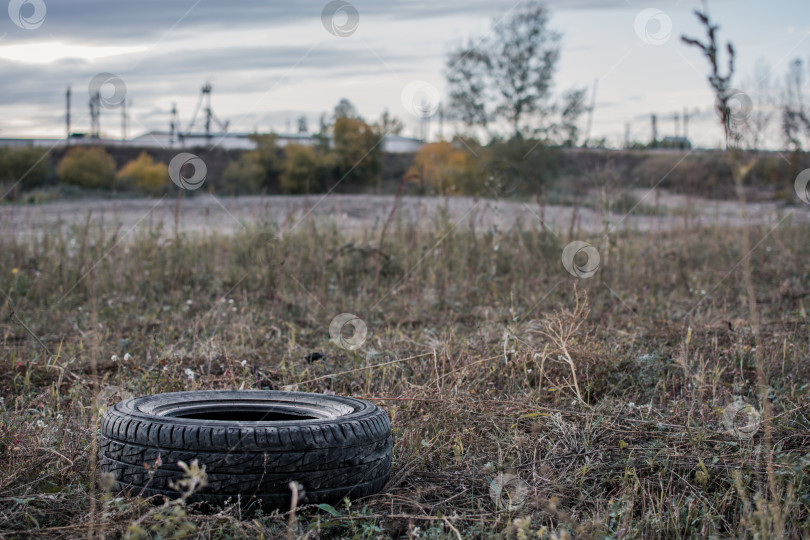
[[252, 443]]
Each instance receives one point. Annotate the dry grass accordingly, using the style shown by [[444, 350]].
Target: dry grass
[[477, 335]]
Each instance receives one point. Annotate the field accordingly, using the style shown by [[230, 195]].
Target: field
[[610, 399], [618, 209]]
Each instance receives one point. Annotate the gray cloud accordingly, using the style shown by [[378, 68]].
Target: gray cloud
[[145, 21], [243, 67], [26, 82]]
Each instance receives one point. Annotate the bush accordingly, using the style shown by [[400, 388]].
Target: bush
[[144, 174], [440, 167], [303, 170], [255, 170], [24, 168], [357, 152], [706, 174], [519, 166], [269, 156], [87, 167], [245, 175]]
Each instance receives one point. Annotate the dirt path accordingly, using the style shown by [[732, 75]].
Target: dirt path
[[356, 213]]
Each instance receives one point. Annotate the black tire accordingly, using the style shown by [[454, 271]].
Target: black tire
[[253, 443]]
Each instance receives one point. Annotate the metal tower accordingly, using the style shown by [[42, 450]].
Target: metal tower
[[205, 99]]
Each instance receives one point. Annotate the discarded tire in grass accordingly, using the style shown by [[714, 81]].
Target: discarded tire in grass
[[252, 443]]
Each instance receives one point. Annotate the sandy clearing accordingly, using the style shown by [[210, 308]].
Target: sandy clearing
[[357, 213]]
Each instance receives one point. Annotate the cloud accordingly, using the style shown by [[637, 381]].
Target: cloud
[[259, 66], [280, 56], [144, 21]]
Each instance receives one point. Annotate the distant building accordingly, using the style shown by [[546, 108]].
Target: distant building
[[397, 144], [394, 144], [165, 139], [21, 143]]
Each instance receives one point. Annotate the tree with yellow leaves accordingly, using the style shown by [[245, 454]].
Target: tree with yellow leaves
[[440, 167], [145, 174]]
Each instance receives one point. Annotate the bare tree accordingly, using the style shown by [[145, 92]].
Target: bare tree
[[795, 119], [302, 124], [572, 107], [739, 169], [719, 83], [389, 124], [346, 109], [467, 78], [761, 90], [508, 75]]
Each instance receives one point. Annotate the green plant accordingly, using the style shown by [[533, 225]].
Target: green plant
[[441, 168], [144, 174], [356, 152], [303, 170], [24, 168], [88, 167], [245, 175]]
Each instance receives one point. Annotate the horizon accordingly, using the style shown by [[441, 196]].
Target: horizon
[[268, 65]]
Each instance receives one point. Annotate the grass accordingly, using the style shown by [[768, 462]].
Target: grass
[[483, 342]]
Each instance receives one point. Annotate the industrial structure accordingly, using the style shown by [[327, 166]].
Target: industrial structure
[[205, 129]]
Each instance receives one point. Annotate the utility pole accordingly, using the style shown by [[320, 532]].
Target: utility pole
[[627, 134], [95, 115], [590, 113], [67, 116], [654, 130], [174, 125], [124, 119], [686, 116], [441, 121], [677, 117], [424, 122]]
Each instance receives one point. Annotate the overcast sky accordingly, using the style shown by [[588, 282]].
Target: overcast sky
[[270, 62]]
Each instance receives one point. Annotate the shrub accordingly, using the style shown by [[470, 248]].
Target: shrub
[[269, 156], [24, 168], [519, 166], [303, 170], [245, 175], [440, 167], [706, 173], [357, 152], [144, 174], [87, 167]]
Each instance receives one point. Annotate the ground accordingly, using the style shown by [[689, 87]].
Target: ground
[[641, 210], [623, 405]]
